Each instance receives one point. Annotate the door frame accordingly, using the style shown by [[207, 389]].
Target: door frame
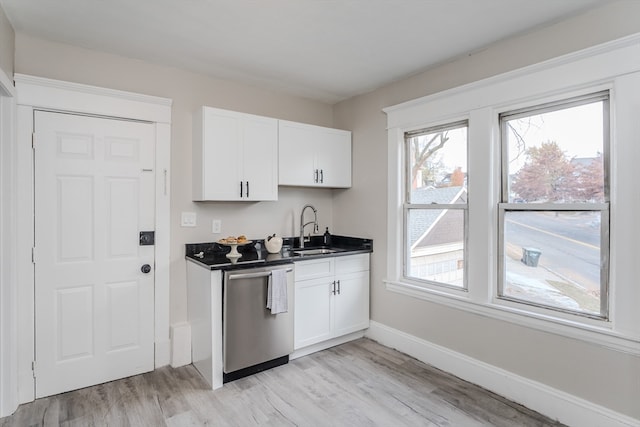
[[8, 239], [37, 93]]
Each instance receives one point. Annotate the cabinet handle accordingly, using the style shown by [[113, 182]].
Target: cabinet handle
[[321, 176], [333, 287], [315, 179], [338, 287], [247, 188], [241, 189]]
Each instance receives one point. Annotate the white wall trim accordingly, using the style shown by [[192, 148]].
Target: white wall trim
[[8, 264], [180, 344], [556, 404], [46, 94], [162, 246], [74, 97]]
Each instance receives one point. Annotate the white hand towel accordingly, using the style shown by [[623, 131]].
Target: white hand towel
[[277, 291]]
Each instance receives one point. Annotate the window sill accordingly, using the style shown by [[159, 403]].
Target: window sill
[[596, 334]]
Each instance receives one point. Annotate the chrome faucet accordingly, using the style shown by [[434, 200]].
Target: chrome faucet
[[303, 225]]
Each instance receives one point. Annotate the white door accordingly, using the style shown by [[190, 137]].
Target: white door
[[94, 193]]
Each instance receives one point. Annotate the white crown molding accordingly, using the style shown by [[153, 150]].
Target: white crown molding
[[553, 403]]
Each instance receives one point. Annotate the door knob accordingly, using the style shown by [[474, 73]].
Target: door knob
[[145, 268]]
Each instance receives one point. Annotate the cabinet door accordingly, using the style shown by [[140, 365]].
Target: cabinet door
[[260, 158], [295, 154], [312, 311], [333, 158], [351, 303], [219, 169]]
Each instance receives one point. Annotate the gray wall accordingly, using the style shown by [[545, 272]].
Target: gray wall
[[603, 376], [189, 91], [7, 43]]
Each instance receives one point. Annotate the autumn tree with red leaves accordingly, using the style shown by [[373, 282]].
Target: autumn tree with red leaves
[[547, 175], [589, 182]]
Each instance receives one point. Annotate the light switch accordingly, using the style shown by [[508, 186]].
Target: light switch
[[216, 226], [188, 219]]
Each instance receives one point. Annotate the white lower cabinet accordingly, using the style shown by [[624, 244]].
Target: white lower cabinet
[[331, 297]]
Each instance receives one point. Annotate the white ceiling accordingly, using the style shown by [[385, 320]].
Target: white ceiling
[[327, 50]]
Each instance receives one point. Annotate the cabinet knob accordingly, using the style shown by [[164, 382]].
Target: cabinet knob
[[145, 268]]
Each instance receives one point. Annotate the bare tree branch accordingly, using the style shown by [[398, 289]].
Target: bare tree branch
[[422, 154]]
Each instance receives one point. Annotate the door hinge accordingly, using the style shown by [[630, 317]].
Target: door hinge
[[33, 140], [33, 368], [33, 255]]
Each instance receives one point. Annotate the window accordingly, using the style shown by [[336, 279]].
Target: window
[[549, 237], [554, 218], [435, 206]]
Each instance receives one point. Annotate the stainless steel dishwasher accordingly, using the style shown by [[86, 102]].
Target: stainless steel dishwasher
[[253, 338]]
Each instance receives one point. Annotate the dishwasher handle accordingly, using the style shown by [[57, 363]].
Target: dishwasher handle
[[253, 275]]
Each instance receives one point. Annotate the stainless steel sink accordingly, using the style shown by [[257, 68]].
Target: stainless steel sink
[[315, 251]]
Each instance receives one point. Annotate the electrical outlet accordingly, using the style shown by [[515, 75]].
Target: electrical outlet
[[188, 219], [216, 226]]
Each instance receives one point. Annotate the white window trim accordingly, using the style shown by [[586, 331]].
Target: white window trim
[[614, 66]]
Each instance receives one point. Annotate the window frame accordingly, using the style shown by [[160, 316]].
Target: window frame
[[603, 208], [613, 66], [407, 206]]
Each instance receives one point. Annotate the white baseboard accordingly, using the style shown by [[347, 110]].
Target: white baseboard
[[180, 334], [553, 403]]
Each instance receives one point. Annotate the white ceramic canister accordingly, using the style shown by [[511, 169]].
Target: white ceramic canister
[[273, 244]]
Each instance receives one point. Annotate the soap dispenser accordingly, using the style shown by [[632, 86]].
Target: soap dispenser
[[327, 237]]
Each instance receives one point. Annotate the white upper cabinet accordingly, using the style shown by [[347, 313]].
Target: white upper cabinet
[[235, 156], [314, 156]]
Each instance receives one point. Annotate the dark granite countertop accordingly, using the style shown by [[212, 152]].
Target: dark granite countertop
[[213, 255]]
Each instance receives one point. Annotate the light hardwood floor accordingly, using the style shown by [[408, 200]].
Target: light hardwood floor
[[360, 383]]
